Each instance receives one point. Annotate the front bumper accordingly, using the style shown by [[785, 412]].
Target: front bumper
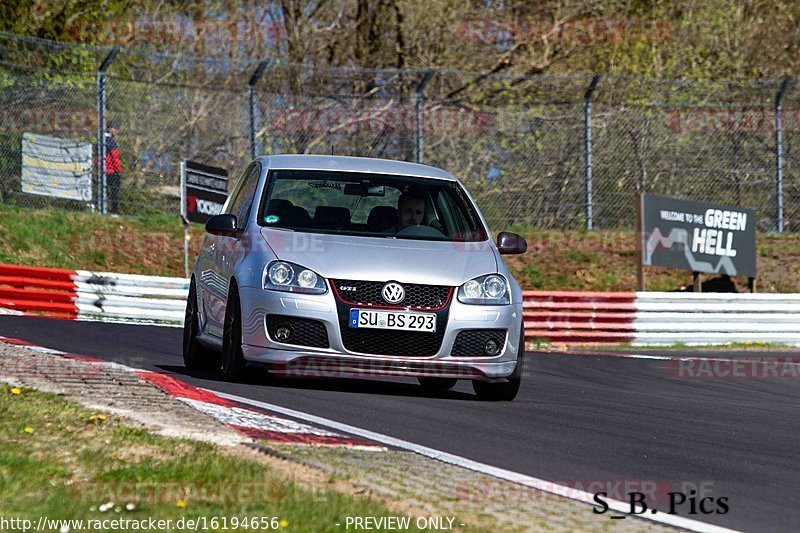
[[337, 361]]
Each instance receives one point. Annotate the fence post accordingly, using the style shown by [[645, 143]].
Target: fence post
[[101, 128], [587, 137], [251, 95], [779, 154], [418, 96]]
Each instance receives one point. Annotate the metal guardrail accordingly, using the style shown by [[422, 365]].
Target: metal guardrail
[[87, 295], [717, 318], [661, 318], [564, 317], [558, 317]]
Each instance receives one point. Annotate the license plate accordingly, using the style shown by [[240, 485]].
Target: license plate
[[366, 318]]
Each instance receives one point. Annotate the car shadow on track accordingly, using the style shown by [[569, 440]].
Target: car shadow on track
[[260, 377]]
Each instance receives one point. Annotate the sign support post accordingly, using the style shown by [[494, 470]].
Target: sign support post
[[640, 244]]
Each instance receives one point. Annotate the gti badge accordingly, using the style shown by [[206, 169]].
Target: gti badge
[[393, 292]]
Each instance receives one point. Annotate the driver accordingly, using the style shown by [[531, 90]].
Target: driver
[[410, 209]]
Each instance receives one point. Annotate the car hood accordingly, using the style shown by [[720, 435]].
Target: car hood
[[377, 259]]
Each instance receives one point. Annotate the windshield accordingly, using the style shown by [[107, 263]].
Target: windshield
[[370, 205]]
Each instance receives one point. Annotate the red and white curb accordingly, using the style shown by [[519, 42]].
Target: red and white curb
[[253, 422]]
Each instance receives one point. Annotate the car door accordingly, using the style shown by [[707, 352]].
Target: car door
[[229, 250]]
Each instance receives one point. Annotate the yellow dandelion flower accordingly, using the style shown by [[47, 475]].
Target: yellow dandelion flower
[[180, 503], [28, 430], [284, 523], [16, 390]]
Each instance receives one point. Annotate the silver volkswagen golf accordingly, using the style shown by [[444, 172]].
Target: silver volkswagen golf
[[345, 266]]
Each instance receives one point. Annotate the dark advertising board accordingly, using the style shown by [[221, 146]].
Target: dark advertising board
[[698, 236], [203, 191]]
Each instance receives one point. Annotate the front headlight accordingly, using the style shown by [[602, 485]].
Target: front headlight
[[288, 277], [492, 289]]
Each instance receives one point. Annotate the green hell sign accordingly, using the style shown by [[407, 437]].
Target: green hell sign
[[698, 236]]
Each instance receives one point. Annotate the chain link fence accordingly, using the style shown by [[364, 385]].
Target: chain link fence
[[547, 151]]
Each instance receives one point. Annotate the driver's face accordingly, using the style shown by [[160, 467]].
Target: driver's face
[[411, 212]]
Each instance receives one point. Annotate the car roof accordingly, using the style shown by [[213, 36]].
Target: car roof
[[353, 164]]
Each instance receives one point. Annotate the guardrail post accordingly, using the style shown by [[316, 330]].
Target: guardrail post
[[418, 97], [101, 128], [251, 95], [587, 137], [779, 155]]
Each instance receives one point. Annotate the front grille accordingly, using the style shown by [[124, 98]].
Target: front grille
[[305, 332], [431, 298], [387, 342], [368, 293], [469, 343]]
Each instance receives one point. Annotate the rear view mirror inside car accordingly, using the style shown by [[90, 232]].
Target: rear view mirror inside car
[[361, 189]]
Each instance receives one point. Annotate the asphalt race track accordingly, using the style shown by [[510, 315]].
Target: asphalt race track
[[578, 419]]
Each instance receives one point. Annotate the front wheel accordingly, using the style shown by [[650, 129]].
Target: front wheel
[[195, 355], [232, 358], [503, 392]]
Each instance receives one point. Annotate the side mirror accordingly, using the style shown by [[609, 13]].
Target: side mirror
[[223, 225], [511, 243]]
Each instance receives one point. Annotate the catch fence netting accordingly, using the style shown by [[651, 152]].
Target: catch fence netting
[[544, 151]]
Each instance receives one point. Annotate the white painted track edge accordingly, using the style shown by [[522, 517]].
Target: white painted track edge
[[500, 473]]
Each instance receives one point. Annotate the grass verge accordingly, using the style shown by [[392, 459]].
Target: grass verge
[[603, 260], [62, 461], [150, 244]]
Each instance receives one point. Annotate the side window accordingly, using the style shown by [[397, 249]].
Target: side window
[[242, 197], [236, 188]]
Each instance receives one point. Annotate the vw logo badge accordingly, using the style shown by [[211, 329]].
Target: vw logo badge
[[394, 293]]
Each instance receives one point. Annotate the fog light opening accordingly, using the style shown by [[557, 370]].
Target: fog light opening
[[283, 333], [492, 347]]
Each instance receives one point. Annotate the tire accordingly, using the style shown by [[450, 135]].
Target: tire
[[232, 358], [195, 355], [503, 392], [437, 384]]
